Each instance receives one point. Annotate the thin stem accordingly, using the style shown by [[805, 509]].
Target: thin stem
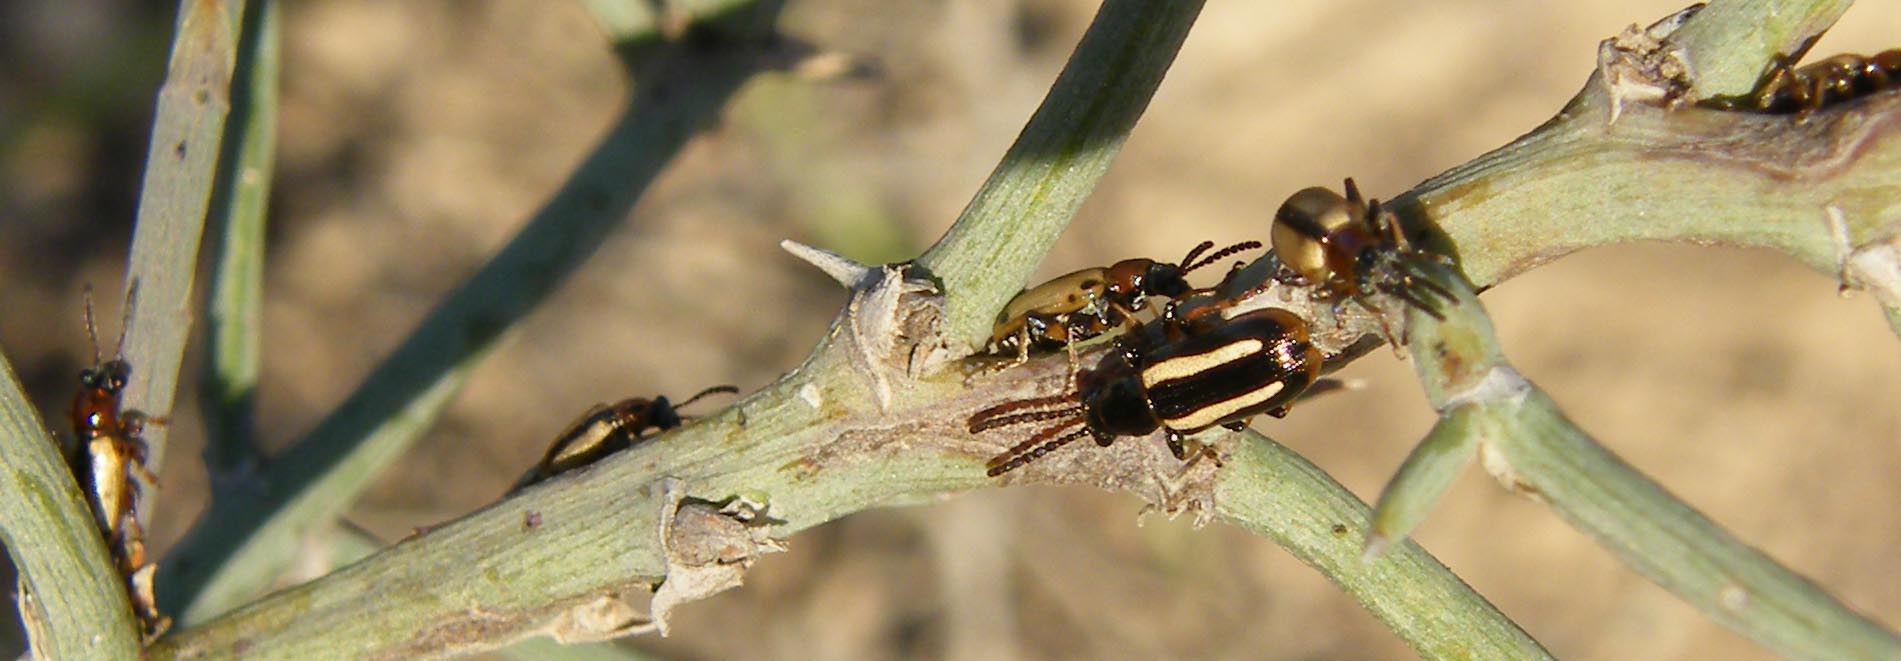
[[1056, 162], [244, 541], [228, 396], [72, 597]]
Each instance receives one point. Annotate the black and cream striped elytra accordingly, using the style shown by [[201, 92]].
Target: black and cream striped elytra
[[1248, 365], [1178, 377]]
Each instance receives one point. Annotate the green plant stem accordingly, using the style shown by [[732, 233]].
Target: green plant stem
[[71, 597], [489, 578], [1605, 173], [579, 549], [816, 446], [1056, 162], [1678, 548], [1532, 449], [1268, 489], [180, 167], [1728, 44], [229, 392], [244, 542]]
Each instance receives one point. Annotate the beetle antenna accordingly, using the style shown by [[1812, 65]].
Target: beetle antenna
[[1195, 251], [125, 317], [994, 422], [731, 390], [980, 418], [1029, 450], [1219, 254], [92, 335]]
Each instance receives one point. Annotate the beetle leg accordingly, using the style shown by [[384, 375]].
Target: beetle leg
[[134, 449], [1075, 364], [1386, 327]]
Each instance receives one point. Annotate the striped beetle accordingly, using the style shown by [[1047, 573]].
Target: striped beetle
[[1087, 303], [1182, 376], [1348, 249], [606, 429], [1804, 90]]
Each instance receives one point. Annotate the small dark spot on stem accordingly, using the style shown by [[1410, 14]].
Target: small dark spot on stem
[[530, 520], [178, 150], [1526, 488], [201, 97], [594, 200], [1340, 530]]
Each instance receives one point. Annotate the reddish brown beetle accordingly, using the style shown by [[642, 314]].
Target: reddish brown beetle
[[108, 461]]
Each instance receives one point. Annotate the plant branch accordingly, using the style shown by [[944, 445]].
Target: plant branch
[[1056, 162], [228, 396], [875, 415], [1622, 164], [1529, 446], [71, 595], [808, 449], [820, 444], [180, 166], [1729, 44], [245, 539]]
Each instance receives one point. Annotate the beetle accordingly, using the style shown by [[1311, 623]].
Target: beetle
[[1811, 87], [605, 429], [107, 457], [1349, 249], [1087, 303], [1174, 375]]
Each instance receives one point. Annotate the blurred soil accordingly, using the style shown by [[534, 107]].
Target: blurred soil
[[417, 136]]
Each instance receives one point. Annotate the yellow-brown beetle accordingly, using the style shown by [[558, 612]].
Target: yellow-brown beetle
[[1087, 303], [607, 429]]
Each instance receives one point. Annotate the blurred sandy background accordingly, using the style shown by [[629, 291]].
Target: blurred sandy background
[[415, 137]]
